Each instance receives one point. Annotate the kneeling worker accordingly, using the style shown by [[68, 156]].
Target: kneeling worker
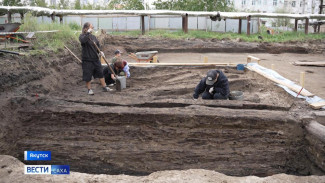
[[121, 68], [214, 86]]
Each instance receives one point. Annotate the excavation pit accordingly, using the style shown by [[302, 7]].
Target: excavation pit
[[154, 125]]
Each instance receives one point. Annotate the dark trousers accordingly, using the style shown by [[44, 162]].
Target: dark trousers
[[207, 96], [108, 79]]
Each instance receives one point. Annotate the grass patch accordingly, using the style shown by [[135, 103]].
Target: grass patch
[[50, 41], [285, 36]]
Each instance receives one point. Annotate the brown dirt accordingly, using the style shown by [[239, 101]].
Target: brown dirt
[[153, 124]]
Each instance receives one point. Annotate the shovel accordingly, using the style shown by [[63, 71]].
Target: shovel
[[118, 82]]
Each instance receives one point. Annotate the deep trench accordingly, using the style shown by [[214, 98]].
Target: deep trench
[[141, 143], [139, 138]]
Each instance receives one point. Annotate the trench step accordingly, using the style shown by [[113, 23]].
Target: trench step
[[222, 104]]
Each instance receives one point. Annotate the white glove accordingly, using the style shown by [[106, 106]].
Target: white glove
[[211, 90], [90, 30], [102, 54]]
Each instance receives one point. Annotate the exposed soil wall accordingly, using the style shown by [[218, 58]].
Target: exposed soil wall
[[153, 124]]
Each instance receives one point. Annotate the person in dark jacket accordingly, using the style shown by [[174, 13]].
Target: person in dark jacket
[[118, 68], [214, 86], [91, 66]]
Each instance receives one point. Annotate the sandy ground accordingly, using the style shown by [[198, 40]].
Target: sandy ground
[[12, 171], [314, 80]]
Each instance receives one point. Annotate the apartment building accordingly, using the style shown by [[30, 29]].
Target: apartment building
[[273, 6]]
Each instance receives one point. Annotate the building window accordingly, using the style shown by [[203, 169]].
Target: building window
[[293, 3], [259, 2], [265, 2], [253, 2], [300, 3], [275, 2], [285, 3], [243, 2]]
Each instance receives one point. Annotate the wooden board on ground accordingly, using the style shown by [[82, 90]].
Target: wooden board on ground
[[319, 64], [181, 64], [317, 105], [291, 87]]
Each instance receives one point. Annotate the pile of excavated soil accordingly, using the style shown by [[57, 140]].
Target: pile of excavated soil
[[165, 45]]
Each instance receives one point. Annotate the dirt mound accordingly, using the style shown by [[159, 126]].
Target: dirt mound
[[144, 43]]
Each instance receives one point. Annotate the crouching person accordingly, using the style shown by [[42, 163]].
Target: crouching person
[[214, 86], [120, 68]]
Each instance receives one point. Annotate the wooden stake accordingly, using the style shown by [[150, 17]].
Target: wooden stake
[[302, 79], [154, 59], [205, 59], [249, 59]]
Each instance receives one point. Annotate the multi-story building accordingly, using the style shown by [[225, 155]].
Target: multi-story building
[[274, 6]]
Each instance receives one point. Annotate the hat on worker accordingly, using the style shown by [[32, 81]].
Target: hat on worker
[[117, 52], [211, 77]]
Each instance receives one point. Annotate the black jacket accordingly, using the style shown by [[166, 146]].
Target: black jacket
[[89, 51], [220, 86], [107, 72]]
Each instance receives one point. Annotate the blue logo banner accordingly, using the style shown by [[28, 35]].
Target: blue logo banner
[[47, 169], [60, 169], [37, 155]]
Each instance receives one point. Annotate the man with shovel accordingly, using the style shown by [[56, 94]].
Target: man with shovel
[[91, 66], [214, 86]]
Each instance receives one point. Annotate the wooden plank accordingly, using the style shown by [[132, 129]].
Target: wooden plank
[[320, 64], [296, 89], [317, 105], [317, 130], [182, 64], [250, 58]]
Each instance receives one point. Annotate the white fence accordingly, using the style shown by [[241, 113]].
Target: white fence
[[131, 23]]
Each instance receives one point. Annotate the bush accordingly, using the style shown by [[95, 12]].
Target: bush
[[75, 26], [49, 41]]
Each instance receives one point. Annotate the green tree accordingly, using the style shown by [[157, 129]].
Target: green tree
[[40, 3], [195, 5], [12, 3], [282, 22], [63, 4], [77, 5], [87, 6], [126, 5]]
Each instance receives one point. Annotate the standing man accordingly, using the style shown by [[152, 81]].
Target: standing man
[[214, 86], [117, 56], [91, 66]]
